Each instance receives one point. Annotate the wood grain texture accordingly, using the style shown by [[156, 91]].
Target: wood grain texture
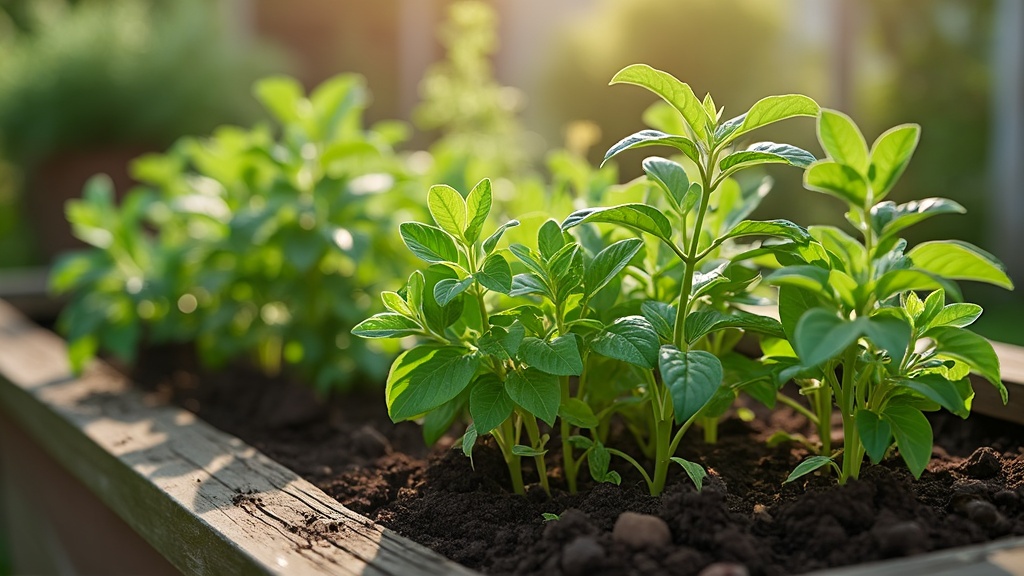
[[204, 499]]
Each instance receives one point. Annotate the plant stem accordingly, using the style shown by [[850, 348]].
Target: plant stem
[[691, 259], [796, 406], [631, 460], [533, 433], [823, 400], [505, 442], [710, 426], [852, 452]]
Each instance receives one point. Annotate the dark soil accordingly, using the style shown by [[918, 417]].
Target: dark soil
[[745, 514]]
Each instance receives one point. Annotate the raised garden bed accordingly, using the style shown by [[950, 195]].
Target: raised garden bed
[[210, 503]]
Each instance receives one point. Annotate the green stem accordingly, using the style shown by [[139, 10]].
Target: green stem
[[533, 433], [690, 259], [631, 460], [796, 406], [505, 443], [710, 426], [823, 398], [853, 453]]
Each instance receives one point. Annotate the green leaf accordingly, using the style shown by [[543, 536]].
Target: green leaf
[[639, 217], [695, 471], [447, 208], [837, 180], [81, 351], [955, 397], [537, 392], [387, 325], [527, 451], [426, 377], [705, 281], [890, 155], [959, 261], [549, 517], [489, 404], [875, 434], [773, 109], [692, 378], [468, 441], [897, 281], [549, 239], [495, 274], [766, 153], [438, 421], [810, 465], [560, 357], [608, 263], [971, 349], [704, 322], [428, 243], [598, 460], [851, 253], [679, 95], [630, 339], [281, 96], [524, 284], [889, 333], [842, 140], [654, 138], [661, 316], [492, 240], [804, 276], [793, 302], [577, 413], [394, 302], [414, 290], [777, 228], [448, 289], [821, 335], [887, 218], [672, 179], [502, 342], [958, 315], [478, 206], [529, 258], [913, 436]]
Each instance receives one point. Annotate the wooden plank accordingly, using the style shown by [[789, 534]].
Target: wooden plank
[[999, 558], [205, 500]]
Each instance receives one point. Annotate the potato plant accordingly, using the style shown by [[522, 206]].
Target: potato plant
[[860, 335]]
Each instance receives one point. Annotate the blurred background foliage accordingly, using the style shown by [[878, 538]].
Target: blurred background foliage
[[515, 90]]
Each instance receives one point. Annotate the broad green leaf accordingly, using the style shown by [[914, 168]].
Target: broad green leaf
[[549, 239], [447, 208], [676, 93], [489, 404], [437, 316], [550, 517], [281, 96], [967, 347], [536, 392], [448, 289], [704, 322], [468, 441], [692, 378], [527, 451], [850, 252], [773, 109], [766, 153], [387, 325], [438, 421], [414, 291], [896, 281], [887, 218], [426, 377], [821, 335], [694, 471], [428, 243], [529, 283], [478, 206], [639, 217], [495, 274], [777, 228], [931, 308], [661, 316], [560, 357], [890, 155], [598, 460], [630, 339], [608, 263], [913, 436], [502, 342], [875, 434], [889, 333], [959, 261], [837, 180], [577, 413], [492, 240], [528, 257], [654, 138], [810, 465], [395, 303], [803, 276], [672, 179], [566, 265], [842, 140], [705, 281], [958, 315], [793, 302], [955, 397]]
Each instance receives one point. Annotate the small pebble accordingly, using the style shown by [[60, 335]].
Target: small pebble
[[581, 556], [983, 463], [641, 530], [1006, 499], [982, 513], [901, 539], [724, 569]]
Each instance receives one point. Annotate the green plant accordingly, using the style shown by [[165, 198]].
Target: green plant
[[262, 245], [859, 332], [690, 372]]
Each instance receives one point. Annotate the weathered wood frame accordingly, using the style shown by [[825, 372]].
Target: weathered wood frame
[[213, 505]]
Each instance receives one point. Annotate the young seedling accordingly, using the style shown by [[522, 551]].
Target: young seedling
[[855, 321], [691, 377]]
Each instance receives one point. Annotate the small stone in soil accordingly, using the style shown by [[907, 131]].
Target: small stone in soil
[[641, 530], [724, 569], [982, 513], [581, 555], [983, 463], [901, 539]]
